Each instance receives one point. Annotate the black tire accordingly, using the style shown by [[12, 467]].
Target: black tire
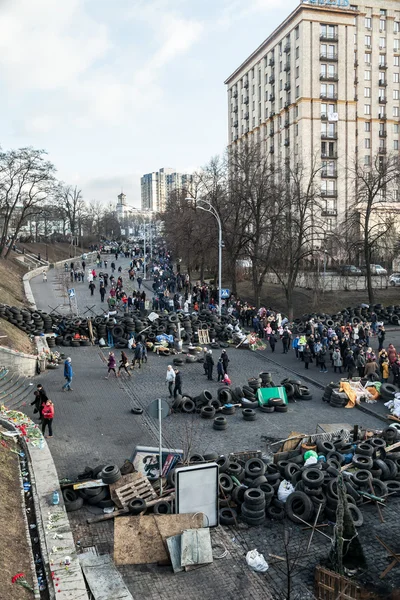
[[381, 488], [393, 487], [377, 443], [220, 427], [259, 480], [298, 504], [228, 410], [253, 496], [188, 407], [254, 522], [361, 478], [234, 469], [248, 403], [268, 490], [324, 447], [252, 514], [207, 412], [365, 449], [102, 495], [238, 494], [248, 412], [227, 516], [275, 402], [136, 410], [281, 409], [225, 483], [211, 456], [380, 464], [362, 462], [162, 508], [107, 503], [96, 471], [267, 409], [110, 474], [275, 512], [137, 506], [71, 500], [393, 470], [312, 491], [220, 421], [223, 462], [254, 467], [356, 515], [330, 514], [312, 478]]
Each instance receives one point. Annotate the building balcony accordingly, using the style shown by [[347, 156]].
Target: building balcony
[[355, 80], [271, 133], [382, 117], [329, 37], [272, 97], [236, 123], [328, 136], [382, 150], [382, 83], [245, 100], [383, 66], [287, 142], [287, 47], [382, 100], [271, 150], [235, 94], [326, 77], [246, 116], [326, 174], [332, 56], [329, 193], [287, 123], [246, 84], [235, 109], [356, 63], [271, 62], [287, 67], [329, 156], [328, 96], [329, 212], [271, 79], [382, 134], [286, 87], [286, 105]]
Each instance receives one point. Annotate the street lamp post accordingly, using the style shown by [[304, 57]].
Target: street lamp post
[[211, 209]]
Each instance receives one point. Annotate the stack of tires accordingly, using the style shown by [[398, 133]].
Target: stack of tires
[[388, 315], [296, 390], [274, 405], [253, 506]]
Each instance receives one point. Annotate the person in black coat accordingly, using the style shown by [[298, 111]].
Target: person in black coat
[[272, 341], [225, 360], [178, 383], [209, 365]]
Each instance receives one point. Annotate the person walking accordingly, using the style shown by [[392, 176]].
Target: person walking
[[68, 374], [295, 346], [102, 291], [92, 287], [37, 402], [48, 416], [111, 364], [350, 364], [381, 337], [286, 340], [138, 355], [44, 277], [272, 341], [170, 380], [337, 360], [209, 365], [123, 364], [361, 364], [225, 360], [139, 281], [220, 370], [178, 383], [307, 356]]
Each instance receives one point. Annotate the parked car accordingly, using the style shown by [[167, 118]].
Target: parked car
[[349, 270], [394, 279], [375, 270]]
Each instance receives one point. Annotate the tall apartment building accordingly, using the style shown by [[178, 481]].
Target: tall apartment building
[[156, 187], [326, 85]]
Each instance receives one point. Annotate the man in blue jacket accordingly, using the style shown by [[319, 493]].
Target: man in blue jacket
[[68, 373]]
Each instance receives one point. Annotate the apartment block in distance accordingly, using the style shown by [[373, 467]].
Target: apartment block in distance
[[156, 188], [324, 86]]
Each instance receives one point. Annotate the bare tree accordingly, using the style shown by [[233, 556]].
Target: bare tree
[[298, 230], [372, 215], [69, 199], [26, 181]]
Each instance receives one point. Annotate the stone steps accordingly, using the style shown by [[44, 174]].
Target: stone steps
[[14, 389]]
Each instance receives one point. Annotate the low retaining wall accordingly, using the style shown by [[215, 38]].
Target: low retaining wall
[[331, 282], [64, 583], [24, 364]]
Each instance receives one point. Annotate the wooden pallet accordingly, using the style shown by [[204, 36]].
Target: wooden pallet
[[331, 586], [204, 338], [141, 488]]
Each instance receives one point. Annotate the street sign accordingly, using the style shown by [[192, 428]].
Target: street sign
[[71, 293], [225, 293]]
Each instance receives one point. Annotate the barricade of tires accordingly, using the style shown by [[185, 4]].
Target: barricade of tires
[[36, 322], [249, 491], [389, 315], [340, 399]]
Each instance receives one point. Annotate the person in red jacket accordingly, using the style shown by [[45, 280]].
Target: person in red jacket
[[48, 415]]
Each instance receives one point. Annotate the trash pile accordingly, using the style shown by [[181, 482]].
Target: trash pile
[[348, 393], [259, 393], [302, 484], [387, 315]]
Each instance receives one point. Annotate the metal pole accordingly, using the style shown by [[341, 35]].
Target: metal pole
[[219, 266], [160, 441], [151, 239], [144, 252]]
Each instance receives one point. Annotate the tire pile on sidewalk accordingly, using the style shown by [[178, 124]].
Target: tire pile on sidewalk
[[338, 399], [389, 315], [249, 491]]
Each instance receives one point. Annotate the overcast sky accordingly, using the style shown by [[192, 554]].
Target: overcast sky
[[113, 89]]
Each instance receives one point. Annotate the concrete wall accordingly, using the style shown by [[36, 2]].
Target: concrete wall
[[24, 364], [332, 282]]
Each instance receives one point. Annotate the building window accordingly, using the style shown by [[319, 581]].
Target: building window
[[297, 52], [382, 12], [280, 84], [367, 92], [395, 111], [382, 43], [382, 59], [297, 91], [396, 128], [396, 61], [296, 112], [367, 22], [296, 129], [367, 143], [367, 159], [367, 59], [396, 45], [367, 75], [395, 94], [396, 27], [382, 25], [297, 72], [395, 144], [297, 32], [396, 77], [367, 109], [367, 41], [367, 126]]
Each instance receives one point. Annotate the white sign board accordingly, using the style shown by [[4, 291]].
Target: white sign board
[[197, 491], [152, 316], [71, 293]]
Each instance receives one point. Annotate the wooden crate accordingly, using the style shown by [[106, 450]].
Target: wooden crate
[[331, 586], [141, 488]]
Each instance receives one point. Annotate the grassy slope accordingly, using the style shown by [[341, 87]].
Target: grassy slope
[[12, 293]]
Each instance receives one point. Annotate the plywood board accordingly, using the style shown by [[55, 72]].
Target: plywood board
[[104, 580], [196, 547], [139, 540]]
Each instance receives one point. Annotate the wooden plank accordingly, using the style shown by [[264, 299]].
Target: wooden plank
[[116, 513], [392, 447], [140, 540], [90, 483], [104, 580]]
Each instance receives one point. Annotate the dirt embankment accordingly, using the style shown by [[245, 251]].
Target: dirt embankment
[[54, 252], [12, 293]]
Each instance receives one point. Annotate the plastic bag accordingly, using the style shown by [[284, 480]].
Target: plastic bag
[[310, 461], [284, 490], [102, 342], [256, 561]]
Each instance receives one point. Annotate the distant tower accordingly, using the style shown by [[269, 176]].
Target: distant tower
[[121, 205]]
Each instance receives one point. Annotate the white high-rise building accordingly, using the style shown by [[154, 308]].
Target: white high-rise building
[[325, 84], [156, 188]]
